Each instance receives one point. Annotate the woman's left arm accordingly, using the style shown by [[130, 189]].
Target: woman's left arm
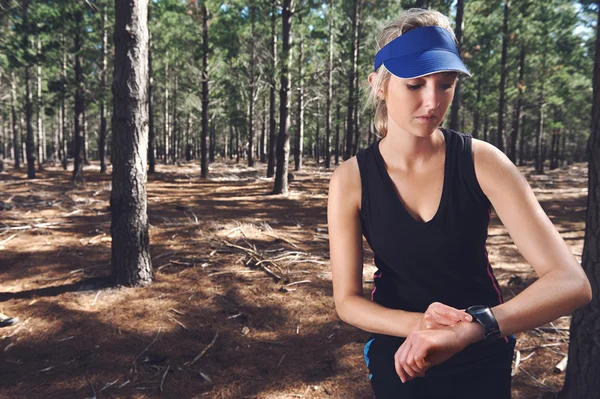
[[562, 285]]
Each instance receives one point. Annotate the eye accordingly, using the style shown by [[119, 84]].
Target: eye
[[446, 86], [413, 87]]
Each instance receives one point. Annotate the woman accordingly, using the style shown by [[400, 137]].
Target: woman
[[422, 196]]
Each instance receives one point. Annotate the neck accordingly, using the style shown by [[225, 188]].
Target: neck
[[407, 151]]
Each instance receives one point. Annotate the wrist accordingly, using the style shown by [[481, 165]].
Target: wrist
[[470, 333]]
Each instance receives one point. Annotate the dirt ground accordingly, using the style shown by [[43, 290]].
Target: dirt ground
[[215, 323]]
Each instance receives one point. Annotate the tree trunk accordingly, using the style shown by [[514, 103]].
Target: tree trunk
[[85, 136], [329, 90], [273, 81], [554, 147], [131, 261], [237, 144], [29, 139], [539, 156], [204, 155], [252, 88], [166, 125], [40, 109], [63, 108], [512, 152], [300, 115], [458, 31], [79, 100], [151, 138], [213, 142], [356, 117], [351, 77], [175, 143], [338, 120], [283, 140], [15, 123], [503, 72], [486, 123], [584, 348], [263, 133], [522, 143]]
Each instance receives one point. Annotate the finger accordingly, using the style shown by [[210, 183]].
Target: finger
[[407, 362], [411, 360], [402, 352], [399, 370], [451, 314]]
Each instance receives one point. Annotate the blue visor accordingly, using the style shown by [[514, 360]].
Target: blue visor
[[421, 52]]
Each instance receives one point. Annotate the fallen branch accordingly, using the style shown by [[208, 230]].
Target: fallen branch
[[180, 323], [204, 351], [163, 377], [7, 240], [142, 352]]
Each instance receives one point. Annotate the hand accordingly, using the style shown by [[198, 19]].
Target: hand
[[439, 315], [426, 348]]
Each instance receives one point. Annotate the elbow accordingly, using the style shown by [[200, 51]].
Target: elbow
[[341, 309], [586, 292]]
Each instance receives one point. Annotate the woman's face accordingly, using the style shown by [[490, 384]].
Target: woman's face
[[418, 105]]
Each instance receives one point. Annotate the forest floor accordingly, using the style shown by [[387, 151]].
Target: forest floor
[[214, 324]]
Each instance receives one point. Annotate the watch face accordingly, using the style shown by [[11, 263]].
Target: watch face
[[478, 309]]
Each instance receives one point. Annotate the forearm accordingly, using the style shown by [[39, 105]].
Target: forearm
[[369, 316], [555, 294]]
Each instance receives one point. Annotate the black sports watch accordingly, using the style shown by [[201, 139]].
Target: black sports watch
[[484, 316]]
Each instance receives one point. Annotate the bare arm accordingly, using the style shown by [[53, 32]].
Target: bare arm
[[562, 285], [345, 244]]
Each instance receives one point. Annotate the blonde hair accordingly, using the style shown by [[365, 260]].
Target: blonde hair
[[407, 21]]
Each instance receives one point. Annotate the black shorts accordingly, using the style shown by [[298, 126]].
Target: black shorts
[[487, 377]]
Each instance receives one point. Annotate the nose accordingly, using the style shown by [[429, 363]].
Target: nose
[[431, 96]]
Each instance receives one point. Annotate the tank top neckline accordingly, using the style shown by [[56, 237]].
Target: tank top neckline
[[391, 188]]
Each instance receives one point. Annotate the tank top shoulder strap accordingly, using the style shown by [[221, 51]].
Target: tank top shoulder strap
[[463, 154], [366, 162]]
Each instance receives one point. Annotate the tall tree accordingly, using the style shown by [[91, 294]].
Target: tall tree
[[283, 140], [79, 99], [329, 89], [131, 261], [103, 83], [503, 72], [204, 152], [30, 143], [351, 77], [272, 87], [300, 89], [151, 139], [458, 31], [584, 348]]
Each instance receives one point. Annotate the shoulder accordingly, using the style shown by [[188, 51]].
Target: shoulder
[[345, 183], [494, 170]]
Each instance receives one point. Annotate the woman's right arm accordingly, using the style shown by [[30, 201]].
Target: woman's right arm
[[345, 246]]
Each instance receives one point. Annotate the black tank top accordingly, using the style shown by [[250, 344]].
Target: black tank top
[[443, 260]]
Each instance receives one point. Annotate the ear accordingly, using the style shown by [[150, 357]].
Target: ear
[[371, 78]]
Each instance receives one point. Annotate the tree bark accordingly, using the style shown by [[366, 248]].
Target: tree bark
[[351, 77], [300, 114], [151, 138], [273, 81], [166, 125], [63, 108], [263, 134], [252, 89], [329, 89], [503, 72], [40, 109], [131, 261], [29, 139], [458, 31], [175, 144], [512, 152], [79, 100], [338, 120], [584, 347], [283, 140], [204, 155], [356, 117], [539, 156]]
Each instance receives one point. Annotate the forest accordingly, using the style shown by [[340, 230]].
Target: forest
[[163, 187]]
